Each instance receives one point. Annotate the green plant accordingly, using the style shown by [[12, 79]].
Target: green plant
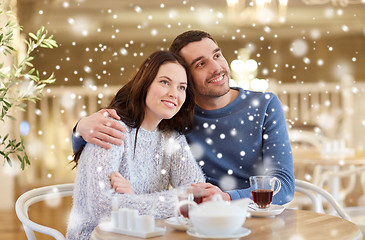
[[20, 82]]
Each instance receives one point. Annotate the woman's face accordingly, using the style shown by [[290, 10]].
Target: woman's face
[[166, 94]]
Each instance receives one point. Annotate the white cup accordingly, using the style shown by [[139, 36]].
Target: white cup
[[115, 213], [145, 223], [123, 218], [115, 219], [132, 214]]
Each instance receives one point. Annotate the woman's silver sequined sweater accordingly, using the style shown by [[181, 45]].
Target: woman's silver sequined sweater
[[158, 160]]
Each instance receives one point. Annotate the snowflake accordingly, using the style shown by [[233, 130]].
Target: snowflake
[[197, 150], [299, 48], [209, 141], [233, 132], [101, 185], [227, 183]]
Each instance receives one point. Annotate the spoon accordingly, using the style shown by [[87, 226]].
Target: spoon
[[252, 208]]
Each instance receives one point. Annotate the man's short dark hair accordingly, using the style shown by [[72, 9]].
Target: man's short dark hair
[[187, 37]]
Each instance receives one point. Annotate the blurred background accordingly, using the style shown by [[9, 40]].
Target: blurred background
[[311, 53]]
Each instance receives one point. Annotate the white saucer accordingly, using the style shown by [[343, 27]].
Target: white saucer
[[273, 210], [242, 232], [172, 222]]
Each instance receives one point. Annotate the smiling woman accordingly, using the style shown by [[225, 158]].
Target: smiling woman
[[156, 108]]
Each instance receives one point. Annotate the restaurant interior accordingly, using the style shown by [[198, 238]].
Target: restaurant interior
[[311, 53]]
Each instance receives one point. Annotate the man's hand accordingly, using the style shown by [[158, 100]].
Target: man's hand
[[120, 184], [100, 130], [211, 190]]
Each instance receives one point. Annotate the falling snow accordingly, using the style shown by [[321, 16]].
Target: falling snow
[[311, 55]]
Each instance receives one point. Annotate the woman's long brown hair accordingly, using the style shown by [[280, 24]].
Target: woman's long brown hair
[[130, 100]]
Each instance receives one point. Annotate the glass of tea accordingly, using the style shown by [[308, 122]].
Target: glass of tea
[[190, 193], [264, 188]]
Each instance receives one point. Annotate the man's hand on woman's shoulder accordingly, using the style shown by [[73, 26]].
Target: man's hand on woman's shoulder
[[100, 130]]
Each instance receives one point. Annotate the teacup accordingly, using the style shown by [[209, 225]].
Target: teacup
[[144, 223], [264, 188], [216, 217], [190, 193]]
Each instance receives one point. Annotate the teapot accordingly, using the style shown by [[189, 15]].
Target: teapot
[[216, 217]]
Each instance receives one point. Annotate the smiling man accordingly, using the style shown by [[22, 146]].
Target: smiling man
[[237, 133]]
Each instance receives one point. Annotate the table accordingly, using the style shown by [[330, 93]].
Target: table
[[291, 224], [313, 156], [333, 162]]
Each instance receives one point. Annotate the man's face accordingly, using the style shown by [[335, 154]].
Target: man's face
[[209, 68]]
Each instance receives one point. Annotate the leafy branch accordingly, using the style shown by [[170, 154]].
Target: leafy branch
[[20, 82]]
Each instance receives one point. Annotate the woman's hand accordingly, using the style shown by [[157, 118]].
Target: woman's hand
[[120, 184], [211, 190]]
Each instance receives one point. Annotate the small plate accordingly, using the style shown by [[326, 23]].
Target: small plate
[[172, 222], [242, 232], [273, 210]]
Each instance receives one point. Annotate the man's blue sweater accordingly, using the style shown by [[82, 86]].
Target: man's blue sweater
[[247, 137]]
